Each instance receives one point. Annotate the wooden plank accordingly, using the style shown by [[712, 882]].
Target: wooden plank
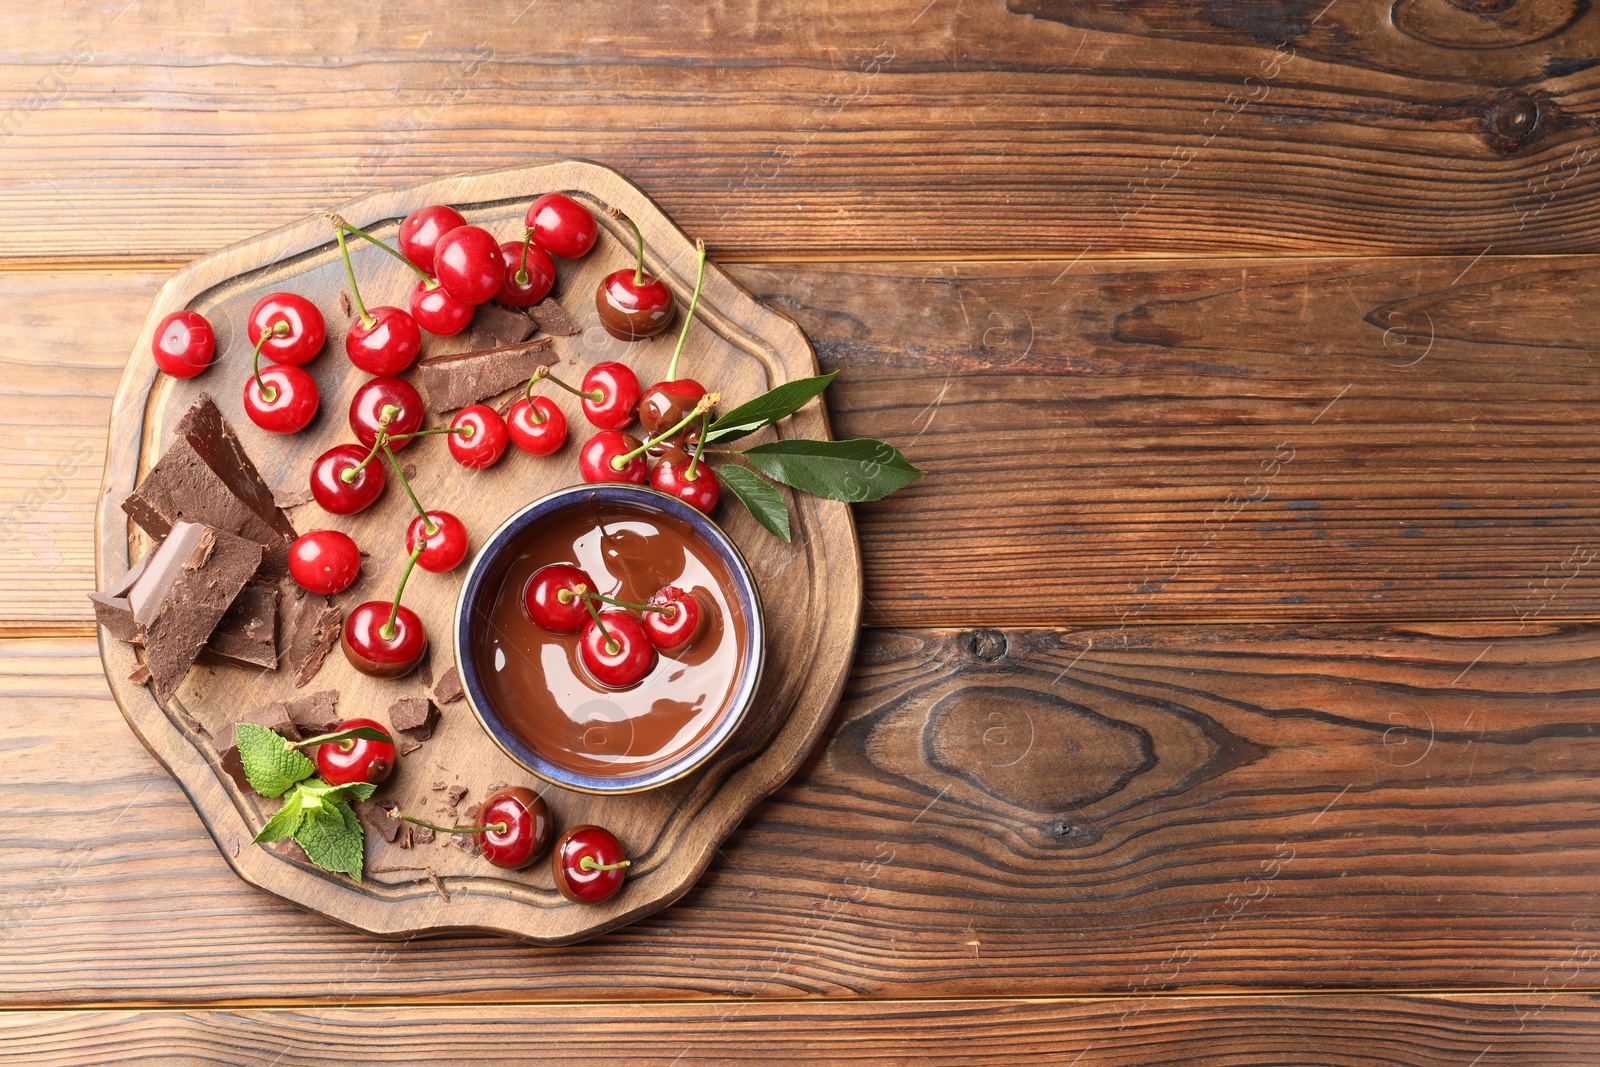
[[1169, 440], [1049, 127], [1330, 1031], [992, 813]]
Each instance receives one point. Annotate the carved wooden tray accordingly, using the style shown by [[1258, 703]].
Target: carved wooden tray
[[812, 588]]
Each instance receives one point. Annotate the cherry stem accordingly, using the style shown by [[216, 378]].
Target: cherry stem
[[612, 647], [349, 272], [348, 475], [567, 596], [521, 276], [542, 374], [694, 302], [386, 631], [429, 527], [344, 738], [495, 827], [587, 863], [269, 393], [638, 240], [424, 275], [705, 404], [464, 431], [690, 474]]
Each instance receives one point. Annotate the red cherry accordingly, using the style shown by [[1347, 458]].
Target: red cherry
[[543, 603], [468, 263], [288, 403], [355, 759], [366, 410], [619, 396], [437, 311], [539, 268], [537, 438], [594, 462], [487, 442], [678, 628], [664, 404], [619, 654], [183, 344], [588, 864], [306, 333], [421, 230], [324, 561], [372, 650], [337, 495], [562, 226], [388, 345], [528, 827], [671, 476], [446, 545]]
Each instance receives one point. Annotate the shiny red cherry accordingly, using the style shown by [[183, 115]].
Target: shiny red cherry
[[680, 625], [588, 864], [342, 497], [528, 827], [664, 404], [562, 226], [324, 561], [374, 649], [615, 650], [633, 306], [594, 461], [421, 230], [355, 759], [306, 333], [536, 266], [553, 599], [366, 410], [486, 443], [619, 395], [283, 400], [537, 426], [446, 544], [388, 345], [183, 344], [437, 311], [671, 476], [468, 264]]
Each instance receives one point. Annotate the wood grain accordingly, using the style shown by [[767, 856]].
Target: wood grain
[[993, 813], [1128, 442], [1047, 127], [1328, 1031]]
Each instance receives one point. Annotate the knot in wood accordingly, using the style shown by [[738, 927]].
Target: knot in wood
[[1512, 121], [987, 645]]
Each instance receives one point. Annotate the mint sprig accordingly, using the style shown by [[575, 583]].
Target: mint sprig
[[316, 815], [270, 767]]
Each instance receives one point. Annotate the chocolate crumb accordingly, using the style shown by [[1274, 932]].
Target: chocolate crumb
[[456, 793], [438, 787], [291, 498], [345, 305]]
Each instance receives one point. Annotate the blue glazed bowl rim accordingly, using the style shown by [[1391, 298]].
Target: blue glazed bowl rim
[[744, 591]]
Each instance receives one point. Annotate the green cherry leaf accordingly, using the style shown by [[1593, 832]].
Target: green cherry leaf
[[853, 471], [763, 501], [767, 408]]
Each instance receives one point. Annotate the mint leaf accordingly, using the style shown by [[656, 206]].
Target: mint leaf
[[854, 471], [359, 790], [332, 838], [767, 408], [285, 822], [764, 502], [270, 767]]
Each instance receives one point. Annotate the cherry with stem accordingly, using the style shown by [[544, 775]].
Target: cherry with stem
[[703, 405], [283, 398], [667, 399], [386, 640], [633, 305], [384, 340], [431, 306]]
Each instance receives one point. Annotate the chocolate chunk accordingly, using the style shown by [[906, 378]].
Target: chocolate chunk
[[553, 318], [185, 590], [421, 835], [467, 843], [139, 675], [414, 716], [454, 381], [312, 625], [292, 498], [405, 747], [274, 717], [456, 793], [111, 608], [314, 713], [448, 691], [495, 324], [247, 636], [377, 816]]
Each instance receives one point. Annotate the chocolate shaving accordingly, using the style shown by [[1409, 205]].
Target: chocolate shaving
[[313, 626], [463, 378], [456, 793], [553, 318], [421, 835], [405, 748], [345, 305], [428, 874]]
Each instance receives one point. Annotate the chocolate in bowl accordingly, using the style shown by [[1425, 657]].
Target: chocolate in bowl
[[526, 685]]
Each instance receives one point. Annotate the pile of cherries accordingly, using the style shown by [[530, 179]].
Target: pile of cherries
[[616, 646]]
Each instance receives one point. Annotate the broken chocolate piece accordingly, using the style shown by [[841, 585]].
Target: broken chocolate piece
[[448, 691], [405, 748], [206, 477], [274, 717], [313, 629], [314, 713], [378, 817], [111, 608], [553, 318], [292, 498], [495, 324], [421, 834], [247, 636], [185, 590], [454, 381], [456, 793], [139, 675], [414, 716]]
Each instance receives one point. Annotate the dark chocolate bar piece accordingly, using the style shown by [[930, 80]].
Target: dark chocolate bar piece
[[449, 690], [463, 378], [272, 716], [111, 608], [205, 476], [247, 636], [414, 716], [494, 325], [312, 625], [185, 590], [316, 713], [553, 318], [373, 814]]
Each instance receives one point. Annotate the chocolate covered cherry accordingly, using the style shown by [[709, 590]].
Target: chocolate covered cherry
[[588, 864], [527, 827]]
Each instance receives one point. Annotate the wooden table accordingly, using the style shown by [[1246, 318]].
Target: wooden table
[[1228, 694]]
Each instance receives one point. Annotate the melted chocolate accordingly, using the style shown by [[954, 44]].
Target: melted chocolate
[[540, 690]]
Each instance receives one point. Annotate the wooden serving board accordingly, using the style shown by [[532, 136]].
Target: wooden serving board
[[812, 588]]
